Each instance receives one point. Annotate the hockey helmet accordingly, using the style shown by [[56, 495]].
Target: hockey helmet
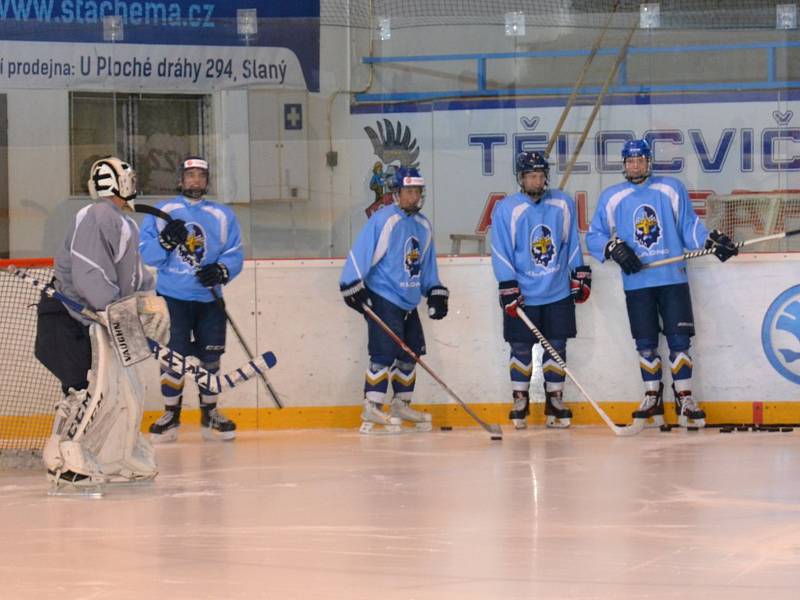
[[193, 162], [110, 177], [528, 162], [408, 177], [634, 148]]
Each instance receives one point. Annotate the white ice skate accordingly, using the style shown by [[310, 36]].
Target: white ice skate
[[557, 416], [402, 410], [651, 411], [689, 414], [372, 415]]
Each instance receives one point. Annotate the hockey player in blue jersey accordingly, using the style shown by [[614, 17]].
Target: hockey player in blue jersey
[[200, 248], [638, 221], [391, 266], [537, 260]]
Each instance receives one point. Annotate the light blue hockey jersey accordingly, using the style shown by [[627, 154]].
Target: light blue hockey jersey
[[214, 236], [394, 255], [537, 244], [656, 219]]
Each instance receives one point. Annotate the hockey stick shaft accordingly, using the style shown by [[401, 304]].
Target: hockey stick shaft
[[157, 212], [707, 251], [561, 363], [491, 428], [170, 360]]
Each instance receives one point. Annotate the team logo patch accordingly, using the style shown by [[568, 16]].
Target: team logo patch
[[543, 251], [646, 226], [780, 334], [194, 250], [413, 257]]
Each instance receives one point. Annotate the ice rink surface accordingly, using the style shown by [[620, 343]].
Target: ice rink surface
[[338, 515]]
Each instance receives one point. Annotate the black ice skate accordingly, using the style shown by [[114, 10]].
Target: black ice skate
[[689, 414], [521, 409], [216, 426], [651, 411], [165, 429], [557, 416]]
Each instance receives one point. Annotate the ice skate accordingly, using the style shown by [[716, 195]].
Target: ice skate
[[216, 426], [521, 409], [651, 411], [69, 483], [165, 429], [557, 416], [689, 414], [401, 409], [372, 415]]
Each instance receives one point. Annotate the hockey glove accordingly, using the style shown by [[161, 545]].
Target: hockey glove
[[437, 302], [723, 247], [213, 275], [581, 284], [355, 295], [173, 235], [510, 297], [618, 251]]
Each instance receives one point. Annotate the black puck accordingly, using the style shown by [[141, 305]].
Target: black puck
[[666, 428], [446, 428], [692, 429], [497, 438], [787, 429]]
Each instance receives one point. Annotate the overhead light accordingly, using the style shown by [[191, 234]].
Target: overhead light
[[650, 15], [113, 30], [786, 16], [383, 28], [515, 24], [247, 22]]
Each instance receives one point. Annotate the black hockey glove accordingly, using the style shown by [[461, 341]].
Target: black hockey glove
[[213, 274], [173, 235], [355, 295], [581, 284], [437, 302], [618, 251], [510, 297], [723, 247]]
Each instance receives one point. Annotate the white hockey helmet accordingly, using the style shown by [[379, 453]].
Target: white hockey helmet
[[111, 177]]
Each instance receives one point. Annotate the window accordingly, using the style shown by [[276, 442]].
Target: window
[[151, 131]]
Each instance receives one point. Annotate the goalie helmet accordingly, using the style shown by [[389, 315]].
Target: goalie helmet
[[193, 162], [407, 177], [111, 177]]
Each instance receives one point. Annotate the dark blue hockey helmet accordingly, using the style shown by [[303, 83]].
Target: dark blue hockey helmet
[[408, 177], [528, 162], [634, 148]]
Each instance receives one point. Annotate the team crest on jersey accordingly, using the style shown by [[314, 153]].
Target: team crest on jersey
[[646, 226], [194, 250], [413, 257], [543, 250]]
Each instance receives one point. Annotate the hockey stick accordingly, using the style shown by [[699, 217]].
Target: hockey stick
[[706, 251], [493, 428], [621, 431], [156, 212], [170, 360]]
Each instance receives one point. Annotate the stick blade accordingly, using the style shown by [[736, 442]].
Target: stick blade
[[629, 430]]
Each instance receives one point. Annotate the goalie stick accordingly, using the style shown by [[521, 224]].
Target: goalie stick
[[169, 359], [621, 431], [706, 251], [157, 212], [493, 428]]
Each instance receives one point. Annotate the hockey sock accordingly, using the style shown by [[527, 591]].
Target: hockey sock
[[404, 376], [209, 401], [171, 388], [650, 367], [553, 373], [520, 366], [376, 380], [681, 365]]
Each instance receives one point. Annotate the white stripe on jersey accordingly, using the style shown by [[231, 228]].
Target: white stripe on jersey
[[562, 204], [424, 222], [222, 218], [383, 241], [671, 193], [611, 206]]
